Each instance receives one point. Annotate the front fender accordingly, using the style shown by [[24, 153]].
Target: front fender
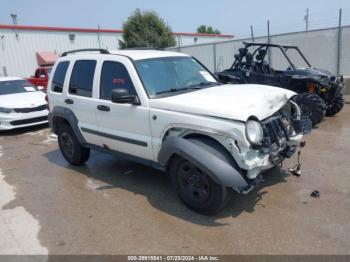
[[219, 170]]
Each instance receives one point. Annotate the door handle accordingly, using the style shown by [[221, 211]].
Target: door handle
[[69, 101], [103, 108]]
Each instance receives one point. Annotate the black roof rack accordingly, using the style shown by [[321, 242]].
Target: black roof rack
[[102, 51], [143, 48]]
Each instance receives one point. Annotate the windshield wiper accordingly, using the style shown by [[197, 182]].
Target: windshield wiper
[[202, 84], [172, 90], [191, 87]]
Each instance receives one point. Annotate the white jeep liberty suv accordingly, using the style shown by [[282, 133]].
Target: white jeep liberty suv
[[165, 109]]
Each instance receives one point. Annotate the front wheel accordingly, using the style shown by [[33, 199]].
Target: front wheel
[[196, 189], [336, 106], [312, 106]]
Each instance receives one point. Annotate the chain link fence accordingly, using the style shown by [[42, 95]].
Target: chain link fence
[[324, 48]]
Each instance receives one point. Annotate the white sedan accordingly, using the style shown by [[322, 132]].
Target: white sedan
[[21, 104]]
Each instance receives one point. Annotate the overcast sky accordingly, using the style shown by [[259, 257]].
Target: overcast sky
[[231, 17]]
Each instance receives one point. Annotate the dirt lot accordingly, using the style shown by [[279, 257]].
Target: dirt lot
[[112, 206]]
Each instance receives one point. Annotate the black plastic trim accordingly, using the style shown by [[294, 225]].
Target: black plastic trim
[[102, 51], [218, 169], [69, 116], [114, 137], [139, 160], [29, 121]]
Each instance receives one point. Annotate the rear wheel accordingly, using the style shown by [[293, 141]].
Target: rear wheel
[[336, 106], [196, 189], [70, 147], [312, 106]]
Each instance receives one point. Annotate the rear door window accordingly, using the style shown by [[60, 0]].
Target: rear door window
[[81, 80], [59, 76]]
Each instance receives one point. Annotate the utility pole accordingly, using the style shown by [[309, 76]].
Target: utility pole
[[306, 18], [339, 41], [252, 33], [268, 41], [98, 36]]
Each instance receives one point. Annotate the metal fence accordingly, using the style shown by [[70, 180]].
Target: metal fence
[[324, 48]]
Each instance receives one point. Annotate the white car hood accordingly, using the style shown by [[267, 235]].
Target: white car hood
[[23, 100], [236, 102]]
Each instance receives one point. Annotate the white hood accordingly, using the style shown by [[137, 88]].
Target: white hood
[[236, 102], [23, 100]]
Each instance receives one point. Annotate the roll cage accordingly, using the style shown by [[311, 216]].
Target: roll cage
[[263, 48]]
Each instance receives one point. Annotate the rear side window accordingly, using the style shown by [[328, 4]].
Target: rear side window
[[81, 80], [59, 76], [114, 75]]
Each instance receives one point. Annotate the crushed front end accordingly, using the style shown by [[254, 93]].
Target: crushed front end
[[282, 135]]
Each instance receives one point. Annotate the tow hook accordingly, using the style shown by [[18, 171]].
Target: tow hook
[[296, 170]]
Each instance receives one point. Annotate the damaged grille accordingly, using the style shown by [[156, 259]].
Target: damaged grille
[[276, 130], [30, 109]]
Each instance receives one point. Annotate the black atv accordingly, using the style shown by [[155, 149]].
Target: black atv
[[319, 92]]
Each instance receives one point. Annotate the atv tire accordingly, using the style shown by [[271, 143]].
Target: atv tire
[[311, 106], [336, 106]]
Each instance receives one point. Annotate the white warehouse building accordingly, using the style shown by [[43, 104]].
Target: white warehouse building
[[20, 45]]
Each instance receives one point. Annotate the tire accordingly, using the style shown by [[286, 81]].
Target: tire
[[196, 189], [71, 149], [335, 107], [311, 105]]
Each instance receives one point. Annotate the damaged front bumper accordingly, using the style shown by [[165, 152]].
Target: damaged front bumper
[[281, 140]]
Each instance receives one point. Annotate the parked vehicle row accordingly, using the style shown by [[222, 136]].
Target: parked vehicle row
[[166, 110]]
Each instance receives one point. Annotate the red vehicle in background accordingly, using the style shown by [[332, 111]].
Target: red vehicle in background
[[41, 77]]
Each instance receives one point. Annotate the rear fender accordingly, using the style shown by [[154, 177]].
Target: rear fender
[[67, 115]]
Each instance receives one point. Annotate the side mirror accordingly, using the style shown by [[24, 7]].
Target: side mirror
[[122, 96]]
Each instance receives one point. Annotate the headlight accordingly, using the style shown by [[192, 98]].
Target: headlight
[[6, 110], [254, 132]]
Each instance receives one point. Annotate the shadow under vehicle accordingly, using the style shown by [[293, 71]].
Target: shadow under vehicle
[[319, 92]]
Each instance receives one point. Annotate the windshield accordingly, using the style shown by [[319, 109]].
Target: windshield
[[296, 58], [16, 86], [279, 61], [173, 74]]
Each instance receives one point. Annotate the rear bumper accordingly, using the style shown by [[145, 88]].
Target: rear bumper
[[19, 120]]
